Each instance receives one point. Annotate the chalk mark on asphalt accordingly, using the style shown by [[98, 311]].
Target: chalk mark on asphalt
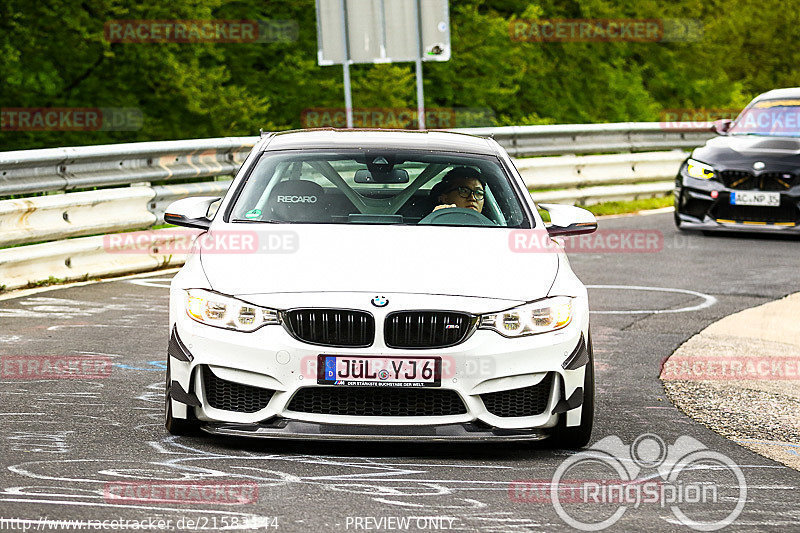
[[708, 300]]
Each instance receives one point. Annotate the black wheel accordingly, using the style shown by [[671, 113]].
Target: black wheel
[[176, 426], [578, 436]]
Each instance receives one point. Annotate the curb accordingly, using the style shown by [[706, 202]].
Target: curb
[[740, 377]]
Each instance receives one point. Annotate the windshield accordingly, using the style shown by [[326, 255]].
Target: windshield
[[379, 187], [779, 118]]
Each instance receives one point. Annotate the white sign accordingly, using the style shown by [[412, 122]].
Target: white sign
[[382, 31]]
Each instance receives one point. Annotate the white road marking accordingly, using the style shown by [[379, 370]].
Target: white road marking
[[708, 300]]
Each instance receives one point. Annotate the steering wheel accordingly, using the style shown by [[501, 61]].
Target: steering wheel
[[456, 216]]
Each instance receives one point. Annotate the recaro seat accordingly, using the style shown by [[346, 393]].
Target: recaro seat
[[298, 201]]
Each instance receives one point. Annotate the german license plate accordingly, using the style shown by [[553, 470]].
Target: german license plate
[[376, 371], [768, 199]]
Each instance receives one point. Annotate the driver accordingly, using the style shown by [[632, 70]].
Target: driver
[[461, 187]]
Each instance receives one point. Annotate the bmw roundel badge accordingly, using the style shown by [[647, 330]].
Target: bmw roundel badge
[[380, 301]]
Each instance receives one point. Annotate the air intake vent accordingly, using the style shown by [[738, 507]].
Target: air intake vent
[[377, 401], [230, 396], [427, 329], [527, 401], [332, 327]]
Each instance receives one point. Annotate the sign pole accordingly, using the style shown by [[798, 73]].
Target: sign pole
[[420, 93], [348, 97]]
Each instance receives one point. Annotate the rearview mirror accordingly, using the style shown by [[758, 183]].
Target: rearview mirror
[[722, 126], [396, 175], [190, 212], [569, 220]]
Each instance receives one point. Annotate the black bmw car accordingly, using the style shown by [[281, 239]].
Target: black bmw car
[[747, 178]]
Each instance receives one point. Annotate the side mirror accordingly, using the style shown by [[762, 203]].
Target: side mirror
[[190, 212], [722, 126], [569, 220]]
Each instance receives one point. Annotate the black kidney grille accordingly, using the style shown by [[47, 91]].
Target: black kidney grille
[[332, 327], [527, 401], [426, 329], [377, 401], [230, 396], [766, 181]]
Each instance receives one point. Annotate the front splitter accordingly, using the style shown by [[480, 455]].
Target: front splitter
[[297, 430]]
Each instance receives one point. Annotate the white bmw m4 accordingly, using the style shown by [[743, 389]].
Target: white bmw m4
[[379, 285]]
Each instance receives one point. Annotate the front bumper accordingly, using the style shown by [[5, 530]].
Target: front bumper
[[282, 428], [484, 364], [697, 209]]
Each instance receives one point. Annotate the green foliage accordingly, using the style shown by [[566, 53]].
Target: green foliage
[[53, 54]]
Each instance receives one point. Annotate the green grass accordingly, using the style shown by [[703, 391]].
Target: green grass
[[618, 208], [632, 206]]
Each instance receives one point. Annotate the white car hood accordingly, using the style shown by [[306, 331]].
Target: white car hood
[[456, 261]]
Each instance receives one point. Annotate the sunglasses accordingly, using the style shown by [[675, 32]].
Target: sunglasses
[[466, 192]]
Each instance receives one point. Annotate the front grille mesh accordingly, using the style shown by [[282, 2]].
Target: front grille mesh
[[766, 181], [786, 212], [527, 401], [377, 401], [426, 329], [230, 396], [332, 327]]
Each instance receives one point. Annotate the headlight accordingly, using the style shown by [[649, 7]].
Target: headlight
[[539, 317], [696, 169], [225, 312]]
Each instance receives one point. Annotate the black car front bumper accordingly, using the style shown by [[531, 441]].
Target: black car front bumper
[[697, 208]]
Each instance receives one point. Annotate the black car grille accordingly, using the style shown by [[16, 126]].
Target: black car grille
[[785, 213], [332, 327], [527, 401], [230, 396], [377, 401], [426, 329], [766, 181]]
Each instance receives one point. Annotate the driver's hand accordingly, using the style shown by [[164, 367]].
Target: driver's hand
[[444, 206]]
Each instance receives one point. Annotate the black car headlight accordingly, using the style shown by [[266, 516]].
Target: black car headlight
[[699, 170]]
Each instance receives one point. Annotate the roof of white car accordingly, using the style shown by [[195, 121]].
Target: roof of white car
[[381, 140], [789, 92]]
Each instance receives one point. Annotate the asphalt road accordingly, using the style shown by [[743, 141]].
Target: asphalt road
[[67, 443]]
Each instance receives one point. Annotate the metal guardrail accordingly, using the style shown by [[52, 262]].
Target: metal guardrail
[[63, 217], [66, 169], [529, 141]]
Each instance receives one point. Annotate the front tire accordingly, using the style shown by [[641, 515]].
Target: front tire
[[575, 437]]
